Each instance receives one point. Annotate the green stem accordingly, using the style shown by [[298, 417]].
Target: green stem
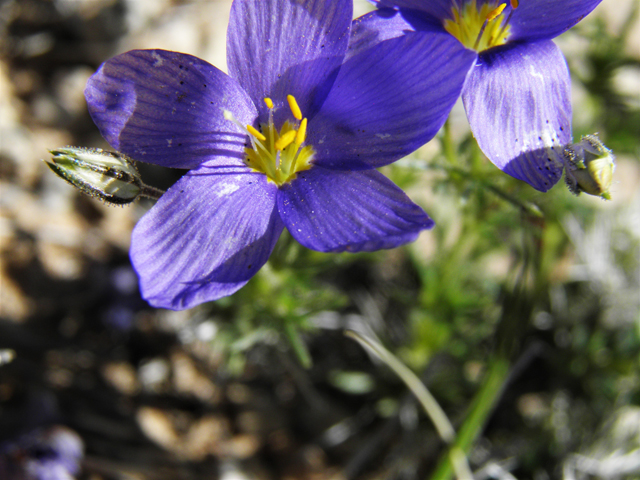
[[448, 146], [433, 410], [516, 310], [480, 410], [526, 207], [298, 345], [151, 192]]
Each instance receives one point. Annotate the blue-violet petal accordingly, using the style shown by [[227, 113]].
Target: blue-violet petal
[[280, 48], [375, 27], [546, 19], [205, 238], [438, 9], [517, 99], [166, 108], [389, 100], [335, 211]]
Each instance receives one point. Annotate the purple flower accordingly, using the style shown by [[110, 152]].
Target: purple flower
[[54, 453], [290, 138], [517, 93]]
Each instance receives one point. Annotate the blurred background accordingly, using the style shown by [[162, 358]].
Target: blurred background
[[520, 311]]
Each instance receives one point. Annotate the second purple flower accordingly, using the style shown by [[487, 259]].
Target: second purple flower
[[517, 92]]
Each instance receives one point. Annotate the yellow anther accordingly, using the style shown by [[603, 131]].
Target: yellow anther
[[496, 11], [480, 25], [274, 153], [295, 109], [256, 133], [301, 136], [285, 140]]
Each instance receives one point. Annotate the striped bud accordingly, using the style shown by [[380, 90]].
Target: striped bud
[[110, 176]]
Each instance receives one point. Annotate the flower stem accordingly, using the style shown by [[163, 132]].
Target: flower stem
[[526, 207], [151, 192], [480, 410], [448, 146], [433, 410], [516, 310], [298, 345]]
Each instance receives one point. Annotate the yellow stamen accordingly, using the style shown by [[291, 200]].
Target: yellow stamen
[[285, 140], [301, 136], [256, 133], [295, 109], [480, 25], [514, 5], [279, 153], [496, 11]]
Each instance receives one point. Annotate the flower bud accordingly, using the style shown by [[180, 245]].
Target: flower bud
[[112, 177], [589, 167]]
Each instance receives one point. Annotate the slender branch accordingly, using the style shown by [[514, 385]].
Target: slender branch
[[526, 207], [428, 402], [448, 147], [481, 408], [151, 192], [299, 347], [516, 310]]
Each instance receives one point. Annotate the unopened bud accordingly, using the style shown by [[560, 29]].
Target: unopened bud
[[110, 176], [589, 167]]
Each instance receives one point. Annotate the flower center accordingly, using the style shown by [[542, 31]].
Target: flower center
[[279, 154], [480, 27]]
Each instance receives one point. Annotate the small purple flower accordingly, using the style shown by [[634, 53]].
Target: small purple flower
[[517, 93], [54, 453], [290, 138]]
